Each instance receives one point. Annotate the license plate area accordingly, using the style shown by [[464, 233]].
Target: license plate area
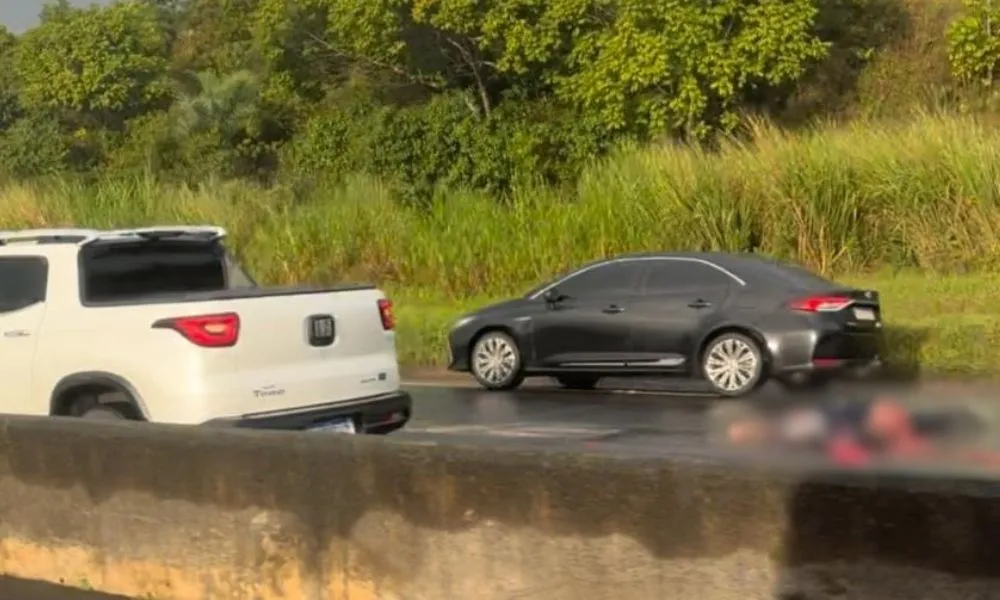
[[863, 313], [321, 330], [338, 425]]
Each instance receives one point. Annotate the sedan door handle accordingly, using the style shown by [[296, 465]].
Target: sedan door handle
[[699, 303], [614, 309]]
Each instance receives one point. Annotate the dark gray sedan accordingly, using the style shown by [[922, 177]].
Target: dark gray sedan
[[734, 320]]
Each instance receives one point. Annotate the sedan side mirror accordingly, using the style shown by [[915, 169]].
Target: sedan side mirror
[[554, 296]]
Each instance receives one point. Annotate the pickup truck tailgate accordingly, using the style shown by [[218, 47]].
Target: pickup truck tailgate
[[314, 348]]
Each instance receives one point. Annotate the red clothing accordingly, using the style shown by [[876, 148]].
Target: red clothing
[[844, 450]]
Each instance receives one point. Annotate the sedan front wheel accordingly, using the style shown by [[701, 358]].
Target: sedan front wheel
[[496, 361]]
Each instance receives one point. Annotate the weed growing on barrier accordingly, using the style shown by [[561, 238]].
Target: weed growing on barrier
[[909, 198]]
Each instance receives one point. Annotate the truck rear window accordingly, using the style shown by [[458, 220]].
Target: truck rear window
[[122, 271]]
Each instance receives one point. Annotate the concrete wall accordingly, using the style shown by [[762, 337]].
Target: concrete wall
[[163, 512]]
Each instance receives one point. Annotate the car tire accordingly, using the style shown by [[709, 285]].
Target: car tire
[[91, 408], [103, 413], [723, 375], [495, 361], [578, 381]]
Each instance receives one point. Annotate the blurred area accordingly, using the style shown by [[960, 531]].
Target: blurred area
[[866, 428]]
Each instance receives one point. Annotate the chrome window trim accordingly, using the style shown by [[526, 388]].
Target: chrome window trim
[[708, 263]]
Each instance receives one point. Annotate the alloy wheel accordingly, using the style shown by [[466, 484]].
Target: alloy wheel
[[733, 365], [496, 361]]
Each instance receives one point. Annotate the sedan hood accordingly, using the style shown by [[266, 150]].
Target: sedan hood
[[503, 306], [491, 310]]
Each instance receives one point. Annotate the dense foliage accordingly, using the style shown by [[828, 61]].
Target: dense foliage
[[300, 125], [911, 209], [482, 94]]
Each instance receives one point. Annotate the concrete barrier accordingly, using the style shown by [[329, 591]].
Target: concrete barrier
[[165, 512]]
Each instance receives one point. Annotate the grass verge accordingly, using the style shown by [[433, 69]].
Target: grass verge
[[905, 201]]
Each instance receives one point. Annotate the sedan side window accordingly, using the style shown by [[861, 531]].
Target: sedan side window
[[604, 280], [667, 276]]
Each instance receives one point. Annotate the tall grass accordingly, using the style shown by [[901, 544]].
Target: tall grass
[[922, 194], [917, 195]]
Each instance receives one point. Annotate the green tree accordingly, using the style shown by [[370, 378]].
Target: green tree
[[208, 102], [95, 66], [215, 35], [393, 38], [10, 106], [287, 35], [268, 38], [633, 65], [34, 145], [55, 9], [221, 119], [652, 64], [974, 42]]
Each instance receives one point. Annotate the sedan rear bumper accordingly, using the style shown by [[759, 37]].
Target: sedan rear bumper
[[383, 413], [826, 351]]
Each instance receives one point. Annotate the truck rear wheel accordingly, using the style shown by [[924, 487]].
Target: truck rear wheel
[[90, 407], [103, 413]]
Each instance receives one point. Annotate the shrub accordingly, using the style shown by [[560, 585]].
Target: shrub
[[974, 42]]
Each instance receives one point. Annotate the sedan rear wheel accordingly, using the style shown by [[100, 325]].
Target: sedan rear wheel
[[496, 361], [733, 364]]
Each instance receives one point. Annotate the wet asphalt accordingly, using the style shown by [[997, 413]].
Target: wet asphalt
[[626, 418], [650, 422]]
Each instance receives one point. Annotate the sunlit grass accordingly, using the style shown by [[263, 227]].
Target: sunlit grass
[[885, 205]]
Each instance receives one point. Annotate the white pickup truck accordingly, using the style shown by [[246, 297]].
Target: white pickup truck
[[160, 324]]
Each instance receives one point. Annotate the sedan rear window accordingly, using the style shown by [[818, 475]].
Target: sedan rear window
[[794, 275]]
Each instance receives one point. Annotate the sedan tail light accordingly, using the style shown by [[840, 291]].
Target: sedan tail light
[[206, 331], [815, 304]]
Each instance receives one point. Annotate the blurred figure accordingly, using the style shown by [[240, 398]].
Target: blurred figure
[[883, 428], [791, 428], [854, 433], [894, 428]]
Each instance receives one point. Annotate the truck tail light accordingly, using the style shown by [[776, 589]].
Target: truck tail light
[[206, 331], [386, 314]]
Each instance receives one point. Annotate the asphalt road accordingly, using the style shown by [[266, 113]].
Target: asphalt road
[[626, 418], [615, 422]]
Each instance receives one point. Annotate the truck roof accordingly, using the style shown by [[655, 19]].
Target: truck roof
[[80, 237]]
